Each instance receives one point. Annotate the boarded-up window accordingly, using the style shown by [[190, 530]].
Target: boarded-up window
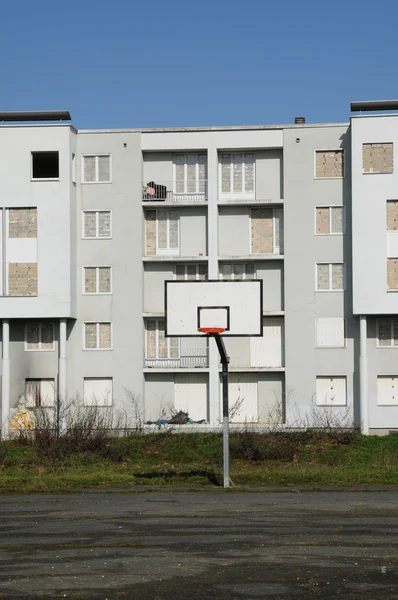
[[330, 333], [22, 279], [97, 336], [97, 169], [330, 276], [392, 215], [40, 393], [237, 271], [158, 347], [97, 224], [237, 173], [39, 336], [98, 391], [97, 280], [387, 333], [331, 391], [22, 223], [387, 391], [266, 231], [329, 220], [392, 273], [190, 175], [267, 351], [162, 232], [377, 158], [329, 164]]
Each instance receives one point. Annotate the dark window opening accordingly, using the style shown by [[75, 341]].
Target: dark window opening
[[45, 165]]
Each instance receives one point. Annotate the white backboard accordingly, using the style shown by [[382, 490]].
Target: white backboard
[[236, 306]]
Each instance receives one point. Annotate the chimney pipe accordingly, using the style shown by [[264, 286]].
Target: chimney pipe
[[299, 120]]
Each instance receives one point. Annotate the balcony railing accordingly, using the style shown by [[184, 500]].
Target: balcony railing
[[174, 191], [176, 358]]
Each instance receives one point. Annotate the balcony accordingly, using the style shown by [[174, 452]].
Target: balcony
[[175, 192], [176, 358]]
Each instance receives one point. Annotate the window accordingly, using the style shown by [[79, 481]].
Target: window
[[329, 164], [190, 176], [377, 158], [97, 280], [331, 391], [39, 336], [97, 169], [330, 333], [158, 347], [162, 232], [387, 390], [266, 230], [387, 333], [97, 224], [329, 220], [237, 271], [392, 274], [22, 222], [392, 215], [22, 279], [39, 393], [190, 272], [237, 173], [330, 277], [98, 391], [45, 165], [97, 336]]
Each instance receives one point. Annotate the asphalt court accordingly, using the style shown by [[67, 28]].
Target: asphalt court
[[197, 545]]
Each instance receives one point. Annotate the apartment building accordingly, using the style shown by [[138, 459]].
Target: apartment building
[[94, 222]]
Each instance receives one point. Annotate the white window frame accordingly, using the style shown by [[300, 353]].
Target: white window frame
[[275, 249], [243, 195], [336, 262], [330, 206], [378, 172], [32, 152], [50, 379], [331, 405], [98, 379], [96, 156], [167, 251], [197, 179], [40, 325], [236, 262], [97, 268], [97, 211], [97, 348], [157, 347], [391, 345], [330, 150], [185, 265]]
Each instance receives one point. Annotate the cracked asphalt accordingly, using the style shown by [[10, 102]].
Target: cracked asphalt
[[197, 545]]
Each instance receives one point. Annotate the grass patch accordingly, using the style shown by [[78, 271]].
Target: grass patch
[[167, 459]]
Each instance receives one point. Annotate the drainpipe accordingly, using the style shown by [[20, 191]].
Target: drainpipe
[[62, 391], [363, 375], [5, 381]]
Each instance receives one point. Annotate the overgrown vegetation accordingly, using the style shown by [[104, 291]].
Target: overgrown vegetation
[[85, 452]]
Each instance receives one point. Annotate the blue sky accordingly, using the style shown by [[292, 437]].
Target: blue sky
[[158, 63]]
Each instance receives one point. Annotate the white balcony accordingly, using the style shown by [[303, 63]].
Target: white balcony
[[175, 192], [176, 358]]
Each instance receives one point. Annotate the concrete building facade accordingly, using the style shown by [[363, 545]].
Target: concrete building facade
[[94, 222]]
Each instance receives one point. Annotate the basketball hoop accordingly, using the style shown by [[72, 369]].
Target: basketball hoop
[[211, 330]]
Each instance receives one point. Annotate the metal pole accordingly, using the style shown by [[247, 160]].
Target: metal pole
[[225, 409]]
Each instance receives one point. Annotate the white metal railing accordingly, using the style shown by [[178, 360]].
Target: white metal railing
[[174, 191], [176, 358]]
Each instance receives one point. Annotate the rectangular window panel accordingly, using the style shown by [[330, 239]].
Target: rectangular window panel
[[337, 219], [22, 279], [387, 333], [331, 391], [237, 173], [329, 164], [22, 223], [322, 220], [98, 336], [90, 280], [158, 347], [39, 336], [97, 224], [45, 165], [377, 158], [338, 276], [237, 271], [97, 169], [40, 393], [330, 333], [97, 280], [105, 341], [392, 215], [330, 276], [392, 273], [322, 277], [98, 391]]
